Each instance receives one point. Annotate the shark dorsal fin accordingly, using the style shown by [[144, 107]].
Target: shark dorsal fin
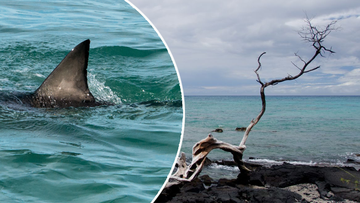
[[67, 84]]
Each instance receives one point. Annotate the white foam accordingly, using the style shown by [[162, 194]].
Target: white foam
[[102, 92], [39, 75], [224, 167], [269, 162], [274, 162]]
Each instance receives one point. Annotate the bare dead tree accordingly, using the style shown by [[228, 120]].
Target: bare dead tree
[[311, 34], [202, 148]]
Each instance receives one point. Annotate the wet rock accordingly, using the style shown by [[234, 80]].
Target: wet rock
[[226, 182], [191, 198], [168, 193], [353, 161], [206, 180], [240, 129], [207, 162], [218, 130], [342, 181], [226, 163], [268, 184], [194, 186], [225, 194]]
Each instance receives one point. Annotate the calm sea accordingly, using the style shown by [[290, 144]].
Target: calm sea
[[297, 129], [118, 153]]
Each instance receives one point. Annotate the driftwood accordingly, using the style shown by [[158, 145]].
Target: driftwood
[[202, 148]]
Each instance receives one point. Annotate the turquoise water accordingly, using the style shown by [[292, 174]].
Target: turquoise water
[[116, 153], [297, 129]]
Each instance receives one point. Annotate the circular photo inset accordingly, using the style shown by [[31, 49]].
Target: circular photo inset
[[91, 107]]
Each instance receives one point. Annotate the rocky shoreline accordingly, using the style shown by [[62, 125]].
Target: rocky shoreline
[[278, 183]]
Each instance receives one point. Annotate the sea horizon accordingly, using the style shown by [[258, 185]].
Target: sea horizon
[[271, 95]]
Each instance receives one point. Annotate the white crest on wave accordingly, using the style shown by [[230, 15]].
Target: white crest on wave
[[102, 92]]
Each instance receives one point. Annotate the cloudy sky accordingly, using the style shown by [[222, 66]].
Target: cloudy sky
[[216, 44]]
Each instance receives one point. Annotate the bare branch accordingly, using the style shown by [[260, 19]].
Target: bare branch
[[295, 65], [313, 35], [258, 68], [257, 119], [300, 58], [317, 67]]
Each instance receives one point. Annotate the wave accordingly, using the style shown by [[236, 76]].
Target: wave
[[125, 90], [172, 103], [125, 51], [220, 170], [123, 74], [102, 92], [271, 162], [38, 50]]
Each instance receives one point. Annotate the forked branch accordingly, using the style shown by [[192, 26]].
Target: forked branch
[[313, 35]]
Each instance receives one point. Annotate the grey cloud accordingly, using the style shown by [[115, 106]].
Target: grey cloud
[[210, 37]]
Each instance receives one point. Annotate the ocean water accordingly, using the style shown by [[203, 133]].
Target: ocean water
[[116, 153], [315, 130]]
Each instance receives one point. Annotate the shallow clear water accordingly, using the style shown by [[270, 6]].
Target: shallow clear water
[[117, 153], [297, 129]]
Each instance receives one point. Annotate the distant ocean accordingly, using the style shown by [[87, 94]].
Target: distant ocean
[[118, 153], [312, 130]]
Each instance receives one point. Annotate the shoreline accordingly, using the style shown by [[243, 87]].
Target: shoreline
[[276, 183]]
